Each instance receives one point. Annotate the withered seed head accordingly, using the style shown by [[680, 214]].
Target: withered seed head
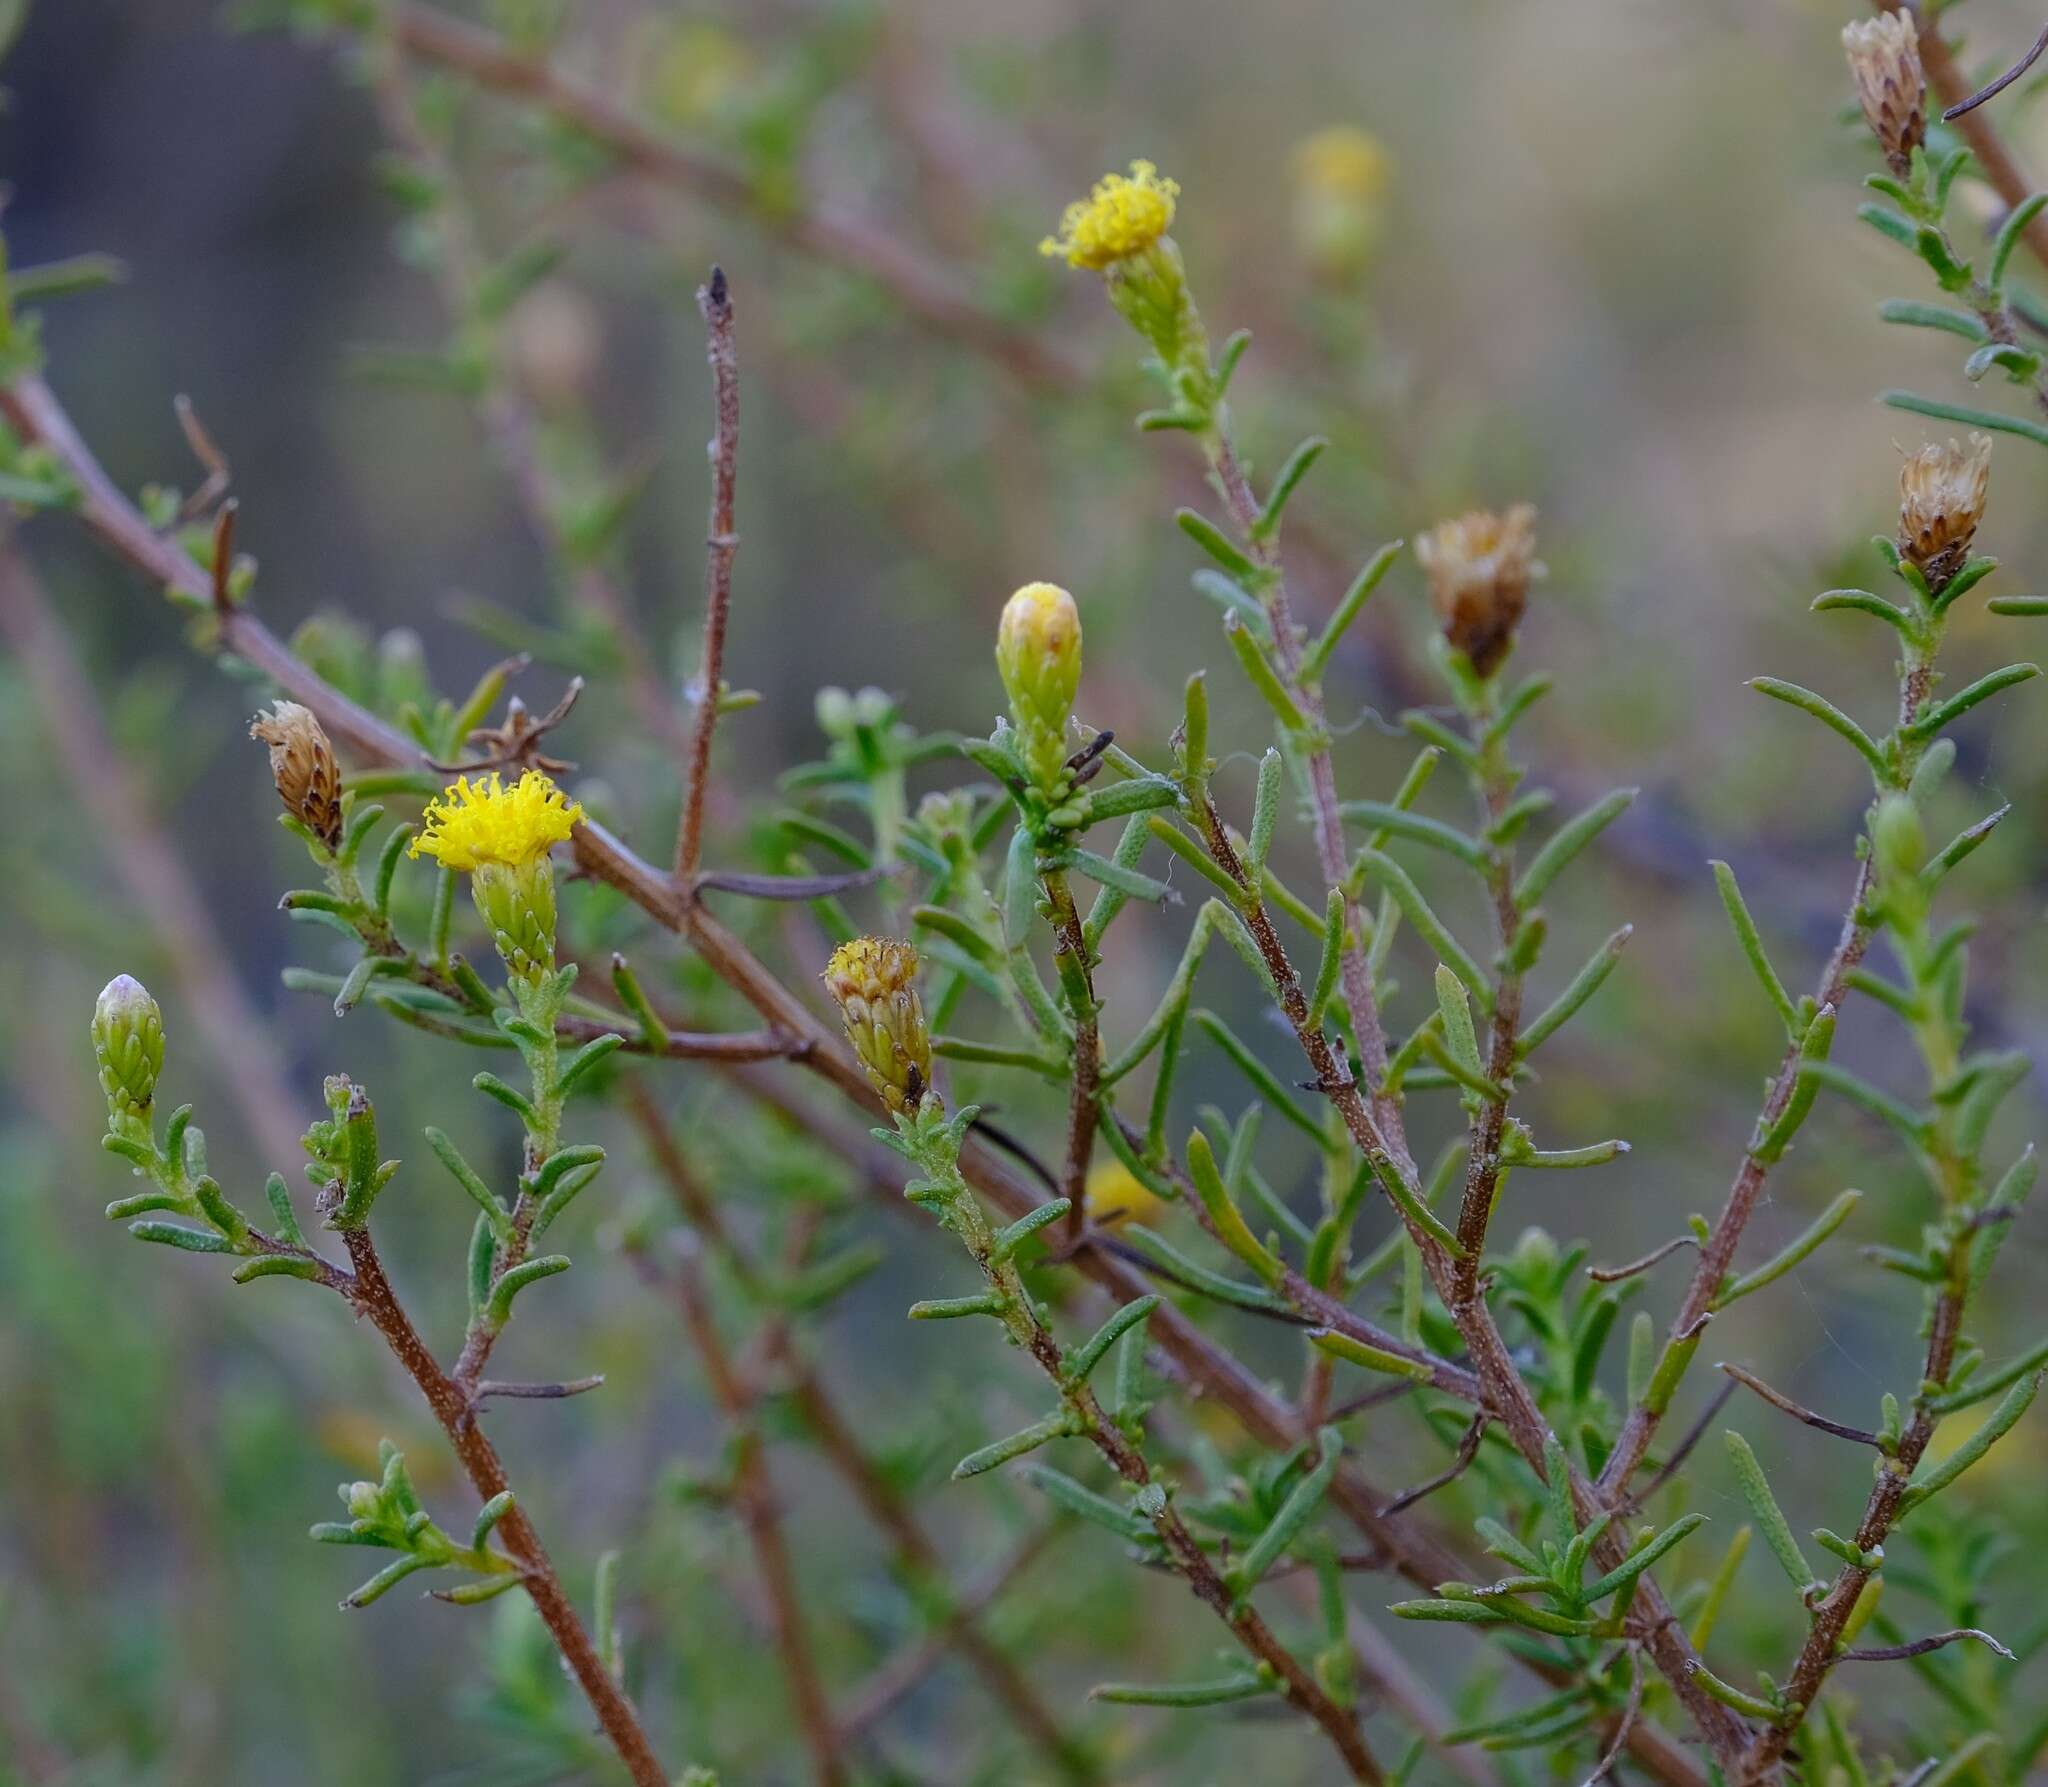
[[1941, 501], [302, 764], [1884, 58], [1479, 569]]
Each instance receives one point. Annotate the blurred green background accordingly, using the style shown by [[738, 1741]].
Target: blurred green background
[[1614, 270]]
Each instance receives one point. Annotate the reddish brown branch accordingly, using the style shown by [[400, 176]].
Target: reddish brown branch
[[2007, 178], [714, 302], [372, 1295]]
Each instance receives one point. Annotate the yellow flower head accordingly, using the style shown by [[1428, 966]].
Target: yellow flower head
[[473, 824], [873, 981], [1116, 1194], [1342, 162], [1123, 216]]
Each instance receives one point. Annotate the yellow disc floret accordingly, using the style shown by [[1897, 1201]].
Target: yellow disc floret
[[475, 823], [1123, 216]]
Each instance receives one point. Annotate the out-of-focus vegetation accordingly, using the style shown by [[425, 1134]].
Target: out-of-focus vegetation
[[1602, 259]]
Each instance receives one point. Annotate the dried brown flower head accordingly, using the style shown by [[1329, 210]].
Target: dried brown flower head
[[302, 764], [1479, 569], [1941, 501], [1884, 57]]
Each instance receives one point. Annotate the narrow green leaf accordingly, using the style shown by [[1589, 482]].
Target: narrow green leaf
[[1643, 1557], [1251, 655], [1792, 1252], [1209, 1693], [1302, 1501], [1373, 1358], [1829, 716], [1229, 1224], [2010, 233], [1957, 412], [1914, 315], [1930, 1484], [1433, 930], [1079, 1364], [1963, 700], [1770, 1519], [1753, 946], [171, 1234], [1820, 1037], [1197, 1277], [1291, 474], [1348, 610], [948, 1309], [1219, 546], [1569, 839], [1583, 986], [1076, 1498], [1265, 809], [1388, 818], [1026, 1439], [466, 1176], [515, 1279]]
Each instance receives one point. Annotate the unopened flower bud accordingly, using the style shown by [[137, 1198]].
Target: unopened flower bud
[[1479, 568], [1941, 501], [1899, 838], [128, 1045], [302, 764], [1884, 58], [873, 980], [363, 1499], [1038, 652]]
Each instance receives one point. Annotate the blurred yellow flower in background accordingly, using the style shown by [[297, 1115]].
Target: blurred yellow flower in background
[[1340, 180], [1115, 1194]]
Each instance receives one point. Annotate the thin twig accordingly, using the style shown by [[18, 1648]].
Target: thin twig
[[1468, 1449], [714, 303], [1897, 1653], [1952, 113], [1799, 1411], [1615, 1274]]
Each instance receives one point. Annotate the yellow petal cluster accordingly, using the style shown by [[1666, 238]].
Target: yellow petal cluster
[[474, 823], [1123, 216]]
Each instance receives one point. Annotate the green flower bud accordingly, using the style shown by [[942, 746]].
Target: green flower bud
[[1900, 841], [128, 1044], [517, 903], [1038, 653], [873, 981]]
